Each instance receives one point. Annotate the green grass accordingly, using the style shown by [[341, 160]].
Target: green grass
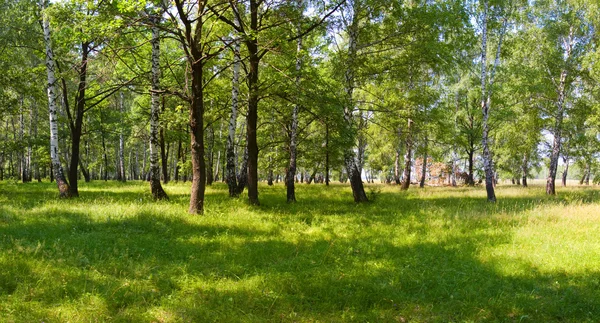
[[432, 255]]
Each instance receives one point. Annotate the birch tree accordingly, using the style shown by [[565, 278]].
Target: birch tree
[[155, 187], [63, 186], [487, 83]]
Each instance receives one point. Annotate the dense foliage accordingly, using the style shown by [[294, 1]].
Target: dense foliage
[[438, 92]]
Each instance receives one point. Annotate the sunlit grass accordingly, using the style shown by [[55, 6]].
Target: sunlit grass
[[426, 255]]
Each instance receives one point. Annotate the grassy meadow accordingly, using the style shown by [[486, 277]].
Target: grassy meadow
[[426, 255]]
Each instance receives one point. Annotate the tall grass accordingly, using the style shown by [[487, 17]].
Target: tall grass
[[431, 255]]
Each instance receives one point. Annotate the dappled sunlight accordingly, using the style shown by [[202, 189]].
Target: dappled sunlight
[[421, 255]]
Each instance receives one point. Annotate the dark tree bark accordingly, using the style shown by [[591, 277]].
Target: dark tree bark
[[76, 126], [253, 98], [84, 171]]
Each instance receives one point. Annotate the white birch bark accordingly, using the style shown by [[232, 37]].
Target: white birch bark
[[486, 97], [560, 89], [63, 186], [358, 190], [155, 186]]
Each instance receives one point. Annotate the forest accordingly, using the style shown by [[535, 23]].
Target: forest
[[444, 92], [334, 148]]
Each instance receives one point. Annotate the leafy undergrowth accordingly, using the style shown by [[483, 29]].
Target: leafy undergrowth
[[432, 255]]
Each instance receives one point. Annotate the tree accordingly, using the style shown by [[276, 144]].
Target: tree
[[155, 187], [63, 186]]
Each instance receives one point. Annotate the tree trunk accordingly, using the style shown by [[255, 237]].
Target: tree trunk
[[63, 186], [84, 171], [230, 154], [587, 174], [352, 169], [242, 179], [397, 167], [424, 169], [525, 170], [270, 175], [550, 181], [291, 170], [565, 173], [253, 97], [76, 126], [407, 157], [164, 151], [156, 188], [179, 151], [123, 174], [209, 155], [22, 157], [326, 154], [217, 171], [485, 106]]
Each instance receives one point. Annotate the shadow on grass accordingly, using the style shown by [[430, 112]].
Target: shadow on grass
[[148, 266]]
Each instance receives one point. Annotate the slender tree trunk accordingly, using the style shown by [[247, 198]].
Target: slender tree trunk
[[550, 181], [179, 151], [23, 156], [155, 187], [209, 155], [270, 174], [485, 106], [123, 174], [424, 169], [397, 167], [565, 172], [587, 174], [407, 157], [218, 163], [352, 169], [326, 154], [104, 156], [84, 171], [525, 169], [63, 186], [76, 127], [242, 179], [230, 154], [291, 170], [143, 174], [34, 132], [164, 151]]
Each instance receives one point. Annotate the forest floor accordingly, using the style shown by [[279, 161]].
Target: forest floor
[[426, 255]]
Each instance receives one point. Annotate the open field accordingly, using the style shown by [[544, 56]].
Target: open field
[[432, 255]]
